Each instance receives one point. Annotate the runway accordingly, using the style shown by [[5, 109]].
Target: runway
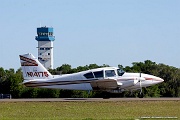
[[86, 99]]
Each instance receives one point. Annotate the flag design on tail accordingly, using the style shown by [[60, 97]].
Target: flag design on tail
[[27, 61], [32, 69]]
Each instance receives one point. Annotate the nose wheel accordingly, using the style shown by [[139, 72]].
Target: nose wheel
[[140, 94]]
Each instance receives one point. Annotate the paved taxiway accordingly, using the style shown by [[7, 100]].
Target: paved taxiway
[[86, 99]]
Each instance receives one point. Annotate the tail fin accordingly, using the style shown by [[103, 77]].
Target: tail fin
[[32, 68]]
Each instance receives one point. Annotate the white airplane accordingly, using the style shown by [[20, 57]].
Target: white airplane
[[109, 79]]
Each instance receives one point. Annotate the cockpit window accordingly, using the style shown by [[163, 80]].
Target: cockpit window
[[89, 75], [98, 74], [110, 73], [120, 72]]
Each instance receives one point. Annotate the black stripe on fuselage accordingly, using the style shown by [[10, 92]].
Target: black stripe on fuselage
[[38, 84]]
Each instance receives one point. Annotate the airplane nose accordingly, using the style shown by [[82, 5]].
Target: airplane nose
[[158, 79], [154, 79]]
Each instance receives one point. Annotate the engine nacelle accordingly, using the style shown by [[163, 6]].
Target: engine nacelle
[[128, 83]]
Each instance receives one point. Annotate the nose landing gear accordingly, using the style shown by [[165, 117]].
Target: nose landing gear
[[140, 95]]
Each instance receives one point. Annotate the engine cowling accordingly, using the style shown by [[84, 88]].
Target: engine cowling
[[128, 83]]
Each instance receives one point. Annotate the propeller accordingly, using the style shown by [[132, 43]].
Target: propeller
[[140, 83]]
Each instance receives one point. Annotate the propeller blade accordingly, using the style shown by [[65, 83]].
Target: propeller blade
[[140, 83], [140, 86]]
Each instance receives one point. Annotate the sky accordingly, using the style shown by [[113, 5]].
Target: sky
[[108, 32]]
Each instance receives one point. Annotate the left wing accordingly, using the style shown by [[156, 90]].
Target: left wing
[[105, 84]]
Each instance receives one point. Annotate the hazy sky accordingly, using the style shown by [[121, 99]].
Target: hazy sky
[[93, 31]]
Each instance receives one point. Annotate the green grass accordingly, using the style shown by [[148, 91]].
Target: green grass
[[89, 110]]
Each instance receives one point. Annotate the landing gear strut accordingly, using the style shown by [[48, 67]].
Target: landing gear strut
[[140, 95]]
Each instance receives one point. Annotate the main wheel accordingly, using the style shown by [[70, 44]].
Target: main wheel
[[140, 95], [106, 95]]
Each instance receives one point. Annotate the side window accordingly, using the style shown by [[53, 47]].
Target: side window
[[98, 74], [110, 73], [89, 75]]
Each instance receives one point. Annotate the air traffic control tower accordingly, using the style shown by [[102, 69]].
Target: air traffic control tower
[[45, 40]]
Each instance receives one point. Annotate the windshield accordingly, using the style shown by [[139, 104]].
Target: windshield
[[120, 72]]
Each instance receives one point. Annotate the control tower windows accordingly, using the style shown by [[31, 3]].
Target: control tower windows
[[50, 33], [47, 48], [41, 48], [44, 48], [45, 33]]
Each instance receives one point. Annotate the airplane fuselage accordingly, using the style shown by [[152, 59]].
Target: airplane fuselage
[[109, 79], [95, 79]]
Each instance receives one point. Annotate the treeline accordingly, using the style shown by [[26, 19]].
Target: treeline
[[10, 82]]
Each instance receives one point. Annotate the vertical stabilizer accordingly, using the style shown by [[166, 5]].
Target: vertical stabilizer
[[32, 69]]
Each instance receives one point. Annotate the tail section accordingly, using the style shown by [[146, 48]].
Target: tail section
[[32, 68]]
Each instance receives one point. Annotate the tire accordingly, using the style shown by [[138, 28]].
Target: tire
[[140, 95], [106, 95]]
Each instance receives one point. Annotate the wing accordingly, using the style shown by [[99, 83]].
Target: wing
[[105, 84]]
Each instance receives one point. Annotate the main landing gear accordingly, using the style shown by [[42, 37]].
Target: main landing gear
[[140, 94], [106, 95]]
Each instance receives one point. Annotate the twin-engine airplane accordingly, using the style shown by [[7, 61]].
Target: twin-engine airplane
[[108, 79]]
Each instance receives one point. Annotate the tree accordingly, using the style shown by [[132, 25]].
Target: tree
[[64, 69], [48, 93], [10, 82]]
